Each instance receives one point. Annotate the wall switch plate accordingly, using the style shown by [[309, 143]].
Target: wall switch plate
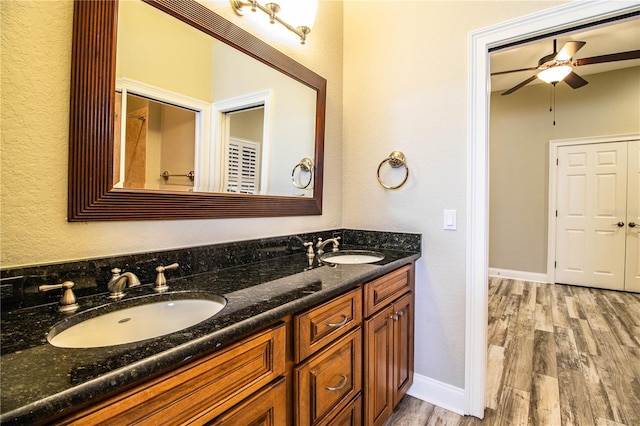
[[450, 220]]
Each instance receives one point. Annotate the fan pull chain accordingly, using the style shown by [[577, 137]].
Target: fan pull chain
[[552, 101]]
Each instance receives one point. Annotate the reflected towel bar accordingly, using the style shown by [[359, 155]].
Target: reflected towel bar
[[305, 165], [166, 175]]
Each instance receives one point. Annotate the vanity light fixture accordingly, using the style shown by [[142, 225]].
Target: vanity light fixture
[[302, 12], [554, 74]]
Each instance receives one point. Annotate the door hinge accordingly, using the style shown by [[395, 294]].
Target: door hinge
[[557, 162], [556, 213], [555, 264]]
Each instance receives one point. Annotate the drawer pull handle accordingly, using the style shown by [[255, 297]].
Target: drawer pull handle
[[338, 324], [342, 384]]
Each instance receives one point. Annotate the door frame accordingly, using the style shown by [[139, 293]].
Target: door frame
[[220, 123], [479, 94], [554, 144]]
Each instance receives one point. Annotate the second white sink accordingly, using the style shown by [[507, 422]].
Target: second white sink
[[352, 257], [136, 323]]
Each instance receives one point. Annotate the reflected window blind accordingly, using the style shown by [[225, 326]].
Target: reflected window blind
[[242, 167]]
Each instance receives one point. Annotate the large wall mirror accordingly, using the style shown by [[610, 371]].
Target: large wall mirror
[[176, 113]]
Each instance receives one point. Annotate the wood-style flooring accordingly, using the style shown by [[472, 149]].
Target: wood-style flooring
[[557, 355]]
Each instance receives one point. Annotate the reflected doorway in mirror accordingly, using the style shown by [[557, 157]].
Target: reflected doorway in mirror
[[162, 131]]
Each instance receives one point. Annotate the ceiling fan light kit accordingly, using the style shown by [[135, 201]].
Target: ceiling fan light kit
[[558, 66], [554, 74]]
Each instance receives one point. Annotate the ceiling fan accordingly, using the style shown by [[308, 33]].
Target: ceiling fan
[[558, 66]]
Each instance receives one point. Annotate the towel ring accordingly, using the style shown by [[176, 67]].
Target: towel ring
[[396, 159], [305, 165]]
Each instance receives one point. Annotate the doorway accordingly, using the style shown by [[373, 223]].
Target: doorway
[[477, 170]]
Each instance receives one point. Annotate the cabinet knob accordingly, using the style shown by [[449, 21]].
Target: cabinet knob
[[394, 317], [400, 313]]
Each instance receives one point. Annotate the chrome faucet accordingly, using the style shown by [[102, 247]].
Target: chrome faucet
[[320, 244], [118, 282]]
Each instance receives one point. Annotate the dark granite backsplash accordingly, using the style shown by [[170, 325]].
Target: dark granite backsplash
[[19, 286]]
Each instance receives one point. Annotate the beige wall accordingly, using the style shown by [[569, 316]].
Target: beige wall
[[405, 74], [155, 48], [36, 54], [521, 128]]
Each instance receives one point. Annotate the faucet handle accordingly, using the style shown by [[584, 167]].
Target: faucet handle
[[160, 284], [115, 272], [309, 247], [336, 243], [67, 302]]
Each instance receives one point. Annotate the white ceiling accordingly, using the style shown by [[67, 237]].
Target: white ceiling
[[611, 38]]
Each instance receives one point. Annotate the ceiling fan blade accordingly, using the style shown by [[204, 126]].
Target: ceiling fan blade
[[524, 83], [574, 80], [568, 50], [612, 57], [510, 71]]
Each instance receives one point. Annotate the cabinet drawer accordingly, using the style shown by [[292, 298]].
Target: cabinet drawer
[[351, 415], [204, 388], [384, 290], [327, 382], [321, 325], [266, 408]]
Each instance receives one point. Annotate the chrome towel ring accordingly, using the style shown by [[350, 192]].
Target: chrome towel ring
[[305, 165], [395, 159]]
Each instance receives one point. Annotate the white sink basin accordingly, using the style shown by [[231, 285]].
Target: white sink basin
[[352, 257], [136, 323]]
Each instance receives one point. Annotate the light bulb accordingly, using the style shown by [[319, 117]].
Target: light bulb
[[554, 74], [298, 13]]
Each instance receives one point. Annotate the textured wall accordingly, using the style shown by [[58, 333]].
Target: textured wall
[[406, 89], [521, 128], [36, 48]]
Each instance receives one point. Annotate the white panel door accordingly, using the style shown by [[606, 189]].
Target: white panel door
[[591, 215], [632, 276]]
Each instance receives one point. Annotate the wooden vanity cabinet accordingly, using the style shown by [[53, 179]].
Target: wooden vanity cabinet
[[346, 362], [388, 343]]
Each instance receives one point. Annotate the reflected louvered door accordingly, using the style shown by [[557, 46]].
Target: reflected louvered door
[[243, 167]]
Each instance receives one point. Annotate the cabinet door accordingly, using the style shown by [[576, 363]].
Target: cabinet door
[[198, 391], [266, 408], [378, 385], [403, 329]]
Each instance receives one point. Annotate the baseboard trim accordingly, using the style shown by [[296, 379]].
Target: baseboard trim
[[519, 275], [438, 393]]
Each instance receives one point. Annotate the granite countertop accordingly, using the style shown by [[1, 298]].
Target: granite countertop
[[41, 381]]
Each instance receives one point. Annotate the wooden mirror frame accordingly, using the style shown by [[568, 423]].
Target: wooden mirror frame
[[91, 195]]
